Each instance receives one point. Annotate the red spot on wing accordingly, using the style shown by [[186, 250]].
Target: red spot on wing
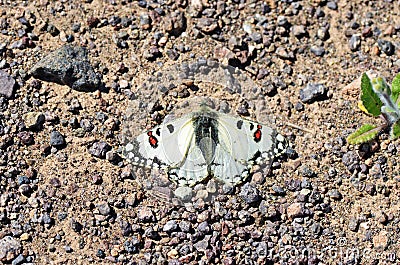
[[258, 134], [152, 140]]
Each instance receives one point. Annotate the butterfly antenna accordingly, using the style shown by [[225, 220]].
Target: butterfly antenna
[[299, 127]]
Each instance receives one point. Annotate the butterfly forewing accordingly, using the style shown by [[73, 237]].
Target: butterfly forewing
[[165, 145], [247, 139]]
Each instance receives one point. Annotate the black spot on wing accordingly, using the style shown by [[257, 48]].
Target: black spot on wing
[[158, 132], [251, 126], [239, 124], [170, 128]]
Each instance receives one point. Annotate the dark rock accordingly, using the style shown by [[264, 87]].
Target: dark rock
[[145, 21], [62, 216], [305, 171], [92, 22], [99, 149], [323, 33], [293, 184], [131, 246], [351, 161], [152, 234], [56, 139], [298, 106], [370, 189], [151, 53], [126, 228], [282, 21], [53, 30], [76, 226], [278, 190], [68, 249], [69, 66], [201, 245], [316, 228], [10, 248], [7, 84], [97, 179], [100, 254], [249, 193], [386, 46], [312, 92], [74, 106]]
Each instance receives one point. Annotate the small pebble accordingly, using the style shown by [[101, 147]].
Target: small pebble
[[56, 139], [10, 248], [170, 226], [295, 210], [332, 5], [249, 194], [7, 85], [145, 214], [99, 149], [312, 92], [184, 193], [386, 46], [104, 208], [33, 120], [355, 42]]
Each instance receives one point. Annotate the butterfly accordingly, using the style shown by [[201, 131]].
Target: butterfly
[[206, 143]]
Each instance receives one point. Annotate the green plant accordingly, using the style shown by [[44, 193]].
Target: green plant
[[378, 99]]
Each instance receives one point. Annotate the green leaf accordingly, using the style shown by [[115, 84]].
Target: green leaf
[[395, 132], [396, 87], [364, 134], [369, 98], [380, 86]]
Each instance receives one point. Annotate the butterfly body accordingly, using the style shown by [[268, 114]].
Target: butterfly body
[[206, 143]]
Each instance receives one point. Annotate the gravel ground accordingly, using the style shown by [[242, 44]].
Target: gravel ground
[[70, 70]]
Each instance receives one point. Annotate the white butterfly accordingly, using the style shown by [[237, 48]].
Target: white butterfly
[[206, 143]]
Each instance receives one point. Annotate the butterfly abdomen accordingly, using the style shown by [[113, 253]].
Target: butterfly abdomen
[[206, 136]]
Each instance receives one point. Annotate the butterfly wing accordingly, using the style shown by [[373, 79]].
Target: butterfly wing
[[170, 146], [241, 143]]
